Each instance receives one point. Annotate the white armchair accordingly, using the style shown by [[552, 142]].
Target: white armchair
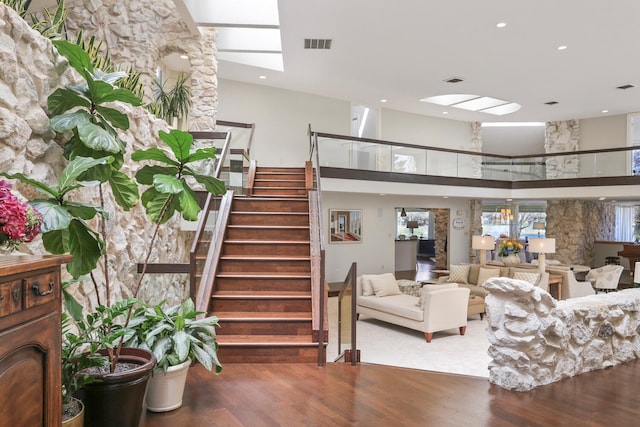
[[571, 288], [605, 278]]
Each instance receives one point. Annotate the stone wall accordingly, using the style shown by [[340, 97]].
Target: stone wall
[[475, 228], [576, 225], [29, 72], [536, 340], [441, 236], [140, 33], [561, 137]]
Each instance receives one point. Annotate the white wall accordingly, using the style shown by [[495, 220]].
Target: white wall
[[399, 126], [603, 132], [281, 118], [376, 253]]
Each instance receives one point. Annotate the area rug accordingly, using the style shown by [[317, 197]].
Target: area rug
[[386, 344]]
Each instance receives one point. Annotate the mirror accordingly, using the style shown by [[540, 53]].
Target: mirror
[[345, 226]]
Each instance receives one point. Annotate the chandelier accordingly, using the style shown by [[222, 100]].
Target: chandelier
[[506, 215]]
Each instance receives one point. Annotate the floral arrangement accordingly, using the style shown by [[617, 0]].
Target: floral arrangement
[[19, 221], [510, 246]]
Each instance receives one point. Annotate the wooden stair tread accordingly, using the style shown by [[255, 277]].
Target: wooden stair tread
[[262, 275], [264, 227], [265, 257], [268, 213], [235, 316], [265, 340], [267, 199], [267, 242], [261, 295]]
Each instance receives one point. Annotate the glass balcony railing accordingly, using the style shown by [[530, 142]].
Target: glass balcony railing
[[382, 156]]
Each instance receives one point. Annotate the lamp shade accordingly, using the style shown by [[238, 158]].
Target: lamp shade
[[538, 225], [483, 242], [542, 246], [412, 224]]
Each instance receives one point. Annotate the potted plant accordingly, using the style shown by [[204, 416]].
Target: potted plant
[[96, 154], [177, 336]]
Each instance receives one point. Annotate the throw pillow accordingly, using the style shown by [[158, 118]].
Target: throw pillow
[[459, 273], [527, 277], [385, 285], [367, 287], [487, 273]]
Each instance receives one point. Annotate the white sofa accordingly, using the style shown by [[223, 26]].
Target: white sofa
[[440, 307]]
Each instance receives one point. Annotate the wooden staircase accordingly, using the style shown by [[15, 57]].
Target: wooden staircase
[[262, 292]]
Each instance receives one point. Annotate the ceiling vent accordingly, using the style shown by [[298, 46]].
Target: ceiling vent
[[623, 87], [454, 80], [317, 43], [551, 103]]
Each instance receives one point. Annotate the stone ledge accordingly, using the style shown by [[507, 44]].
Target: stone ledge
[[536, 340]]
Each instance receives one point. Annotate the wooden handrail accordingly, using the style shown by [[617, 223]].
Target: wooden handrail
[[251, 177], [318, 289], [205, 288]]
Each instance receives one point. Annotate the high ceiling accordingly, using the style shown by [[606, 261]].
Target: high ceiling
[[404, 51]]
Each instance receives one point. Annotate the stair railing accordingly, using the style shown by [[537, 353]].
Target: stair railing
[[348, 288]]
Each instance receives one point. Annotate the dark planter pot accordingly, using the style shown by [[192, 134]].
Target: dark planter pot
[[118, 399]]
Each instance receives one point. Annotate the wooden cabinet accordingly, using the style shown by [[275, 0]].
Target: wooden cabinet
[[30, 340]]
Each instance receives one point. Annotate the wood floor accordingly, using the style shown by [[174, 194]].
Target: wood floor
[[371, 395]]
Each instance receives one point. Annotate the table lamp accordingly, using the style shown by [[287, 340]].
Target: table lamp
[[482, 244], [542, 246]]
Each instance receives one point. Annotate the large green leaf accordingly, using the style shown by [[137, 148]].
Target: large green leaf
[[119, 94], [114, 117], [55, 242], [110, 78], [188, 204], [43, 188], [154, 153], [212, 184], [168, 184], [77, 57], [181, 344], [84, 211], [63, 99], [93, 136], [65, 122], [86, 248], [154, 203], [202, 356], [201, 154], [73, 307], [54, 216], [98, 89], [179, 142], [145, 175], [76, 167], [125, 190]]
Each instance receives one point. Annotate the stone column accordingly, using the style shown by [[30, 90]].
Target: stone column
[[475, 226], [562, 137], [441, 236]]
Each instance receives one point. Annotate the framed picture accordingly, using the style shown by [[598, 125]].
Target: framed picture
[[345, 225]]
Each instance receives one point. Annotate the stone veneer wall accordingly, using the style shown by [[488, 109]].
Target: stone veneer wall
[[141, 33], [476, 145], [576, 225], [475, 228], [536, 340], [562, 137], [29, 72], [441, 236]]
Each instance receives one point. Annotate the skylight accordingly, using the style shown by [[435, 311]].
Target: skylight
[[248, 31], [483, 104]]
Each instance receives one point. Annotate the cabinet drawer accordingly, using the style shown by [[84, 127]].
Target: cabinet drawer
[[39, 289], [10, 297]]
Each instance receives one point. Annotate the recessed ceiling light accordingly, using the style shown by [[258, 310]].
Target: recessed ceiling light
[[262, 77], [445, 112], [602, 198], [445, 197], [184, 57], [501, 24], [605, 111], [563, 47], [383, 100]]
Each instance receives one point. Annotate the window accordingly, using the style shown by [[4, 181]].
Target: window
[[625, 230], [419, 217]]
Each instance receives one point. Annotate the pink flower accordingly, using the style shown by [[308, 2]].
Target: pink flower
[[19, 221]]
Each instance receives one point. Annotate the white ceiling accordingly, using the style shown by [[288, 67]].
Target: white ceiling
[[403, 51]]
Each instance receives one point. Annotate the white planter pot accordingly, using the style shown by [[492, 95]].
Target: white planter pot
[[165, 390]]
